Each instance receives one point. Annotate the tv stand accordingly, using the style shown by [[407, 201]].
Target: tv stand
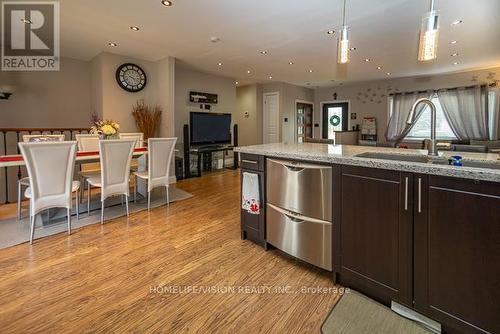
[[205, 150]]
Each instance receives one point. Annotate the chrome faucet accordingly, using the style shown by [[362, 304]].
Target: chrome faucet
[[432, 149]]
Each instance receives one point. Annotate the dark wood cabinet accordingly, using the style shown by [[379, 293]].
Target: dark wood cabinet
[[376, 232], [428, 242], [253, 227], [457, 253]]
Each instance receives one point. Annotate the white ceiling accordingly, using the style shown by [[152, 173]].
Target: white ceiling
[[385, 31]]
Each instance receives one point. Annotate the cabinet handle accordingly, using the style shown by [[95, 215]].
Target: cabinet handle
[[406, 193], [249, 161], [419, 195]]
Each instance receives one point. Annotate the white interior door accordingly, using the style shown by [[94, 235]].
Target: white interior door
[[271, 118]]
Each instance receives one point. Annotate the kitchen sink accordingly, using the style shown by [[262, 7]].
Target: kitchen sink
[[473, 164], [425, 159], [394, 157]]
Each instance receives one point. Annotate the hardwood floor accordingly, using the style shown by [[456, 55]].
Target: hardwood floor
[[103, 278]]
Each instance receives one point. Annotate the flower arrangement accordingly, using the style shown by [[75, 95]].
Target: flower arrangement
[[147, 118], [107, 128]]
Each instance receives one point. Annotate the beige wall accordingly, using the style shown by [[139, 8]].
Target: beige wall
[[117, 103], [68, 97], [48, 99], [166, 95], [249, 99], [289, 94], [187, 80], [368, 106]]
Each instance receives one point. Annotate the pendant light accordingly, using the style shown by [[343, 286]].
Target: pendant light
[[429, 32], [343, 42]]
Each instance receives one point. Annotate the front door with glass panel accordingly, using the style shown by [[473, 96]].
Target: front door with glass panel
[[334, 118]]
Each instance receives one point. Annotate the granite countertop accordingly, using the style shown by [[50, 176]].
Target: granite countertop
[[347, 155]]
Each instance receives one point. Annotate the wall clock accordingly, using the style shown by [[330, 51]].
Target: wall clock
[[131, 77]]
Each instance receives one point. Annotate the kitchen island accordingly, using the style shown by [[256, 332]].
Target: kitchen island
[[406, 229]]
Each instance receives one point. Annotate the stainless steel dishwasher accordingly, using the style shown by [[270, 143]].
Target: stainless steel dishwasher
[[299, 210]]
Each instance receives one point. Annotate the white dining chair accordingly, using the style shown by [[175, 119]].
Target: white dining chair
[[137, 136], [115, 157], [87, 142], [139, 142], [43, 138], [50, 168], [160, 152], [25, 181]]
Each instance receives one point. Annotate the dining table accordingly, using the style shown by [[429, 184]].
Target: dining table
[[15, 160], [82, 157]]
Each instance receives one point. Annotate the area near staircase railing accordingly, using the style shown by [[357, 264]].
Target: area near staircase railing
[[9, 137]]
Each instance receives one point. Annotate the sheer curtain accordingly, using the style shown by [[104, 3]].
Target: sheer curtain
[[397, 128], [466, 110], [494, 112]]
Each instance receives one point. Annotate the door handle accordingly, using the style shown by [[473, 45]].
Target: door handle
[[249, 161], [419, 195], [294, 168], [293, 219], [406, 193]]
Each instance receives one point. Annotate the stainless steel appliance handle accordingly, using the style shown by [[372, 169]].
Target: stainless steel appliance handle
[[294, 165], [295, 217], [419, 195], [249, 161], [406, 193]]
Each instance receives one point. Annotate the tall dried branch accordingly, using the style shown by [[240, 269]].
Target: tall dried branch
[[147, 118]]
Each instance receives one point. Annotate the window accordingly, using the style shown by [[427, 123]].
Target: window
[[422, 128]]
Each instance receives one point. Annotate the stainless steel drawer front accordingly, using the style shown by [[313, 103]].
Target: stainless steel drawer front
[[300, 187], [308, 239]]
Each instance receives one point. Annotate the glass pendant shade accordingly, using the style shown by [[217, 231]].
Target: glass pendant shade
[[429, 34], [343, 46]]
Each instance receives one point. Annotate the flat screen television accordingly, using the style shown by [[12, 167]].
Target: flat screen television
[[210, 128]]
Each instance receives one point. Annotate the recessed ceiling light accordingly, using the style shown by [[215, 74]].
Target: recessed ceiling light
[[135, 28], [368, 60], [353, 49], [236, 82], [263, 52], [220, 64], [290, 63], [270, 77], [456, 22], [330, 32], [379, 67], [215, 39], [166, 3], [454, 54], [455, 63], [26, 21], [310, 71], [112, 44], [453, 42], [388, 73], [248, 71]]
